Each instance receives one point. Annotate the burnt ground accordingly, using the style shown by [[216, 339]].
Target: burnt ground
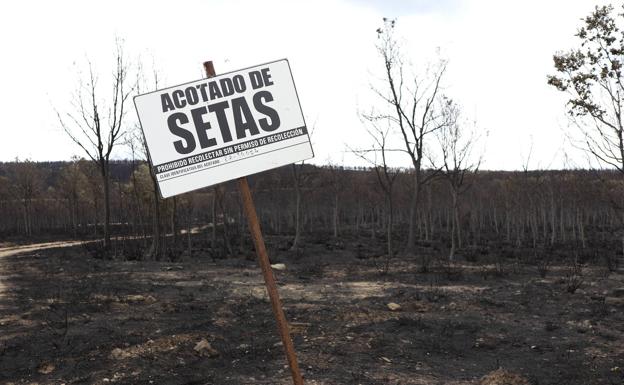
[[67, 318]]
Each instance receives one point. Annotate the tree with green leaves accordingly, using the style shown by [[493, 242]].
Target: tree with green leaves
[[592, 77]]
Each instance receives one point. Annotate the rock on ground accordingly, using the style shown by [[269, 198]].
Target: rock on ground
[[279, 266], [204, 349], [503, 377]]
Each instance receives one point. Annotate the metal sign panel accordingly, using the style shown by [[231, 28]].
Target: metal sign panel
[[212, 130]]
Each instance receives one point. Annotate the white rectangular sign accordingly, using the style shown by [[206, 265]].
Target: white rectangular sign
[[216, 129]]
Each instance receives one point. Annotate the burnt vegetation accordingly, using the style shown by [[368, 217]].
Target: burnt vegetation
[[539, 216]]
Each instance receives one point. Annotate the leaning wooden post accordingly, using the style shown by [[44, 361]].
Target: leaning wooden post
[[265, 265]]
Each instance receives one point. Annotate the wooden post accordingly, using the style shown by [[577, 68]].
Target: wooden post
[[265, 265]]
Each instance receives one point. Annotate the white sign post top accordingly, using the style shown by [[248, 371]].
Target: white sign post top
[[212, 130]]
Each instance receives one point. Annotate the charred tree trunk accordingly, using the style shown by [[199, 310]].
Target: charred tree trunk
[[155, 249], [411, 231], [107, 213], [297, 208], [335, 216], [213, 240], [174, 222]]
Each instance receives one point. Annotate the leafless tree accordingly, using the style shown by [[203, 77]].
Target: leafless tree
[[377, 157], [136, 143], [26, 187], [299, 179], [187, 203], [457, 141], [412, 103], [97, 127], [71, 184], [337, 180], [221, 194], [297, 172]]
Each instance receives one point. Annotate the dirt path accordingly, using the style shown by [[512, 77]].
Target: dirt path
[[12, 250]]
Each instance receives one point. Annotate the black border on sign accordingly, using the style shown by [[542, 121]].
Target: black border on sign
[[149, 158], [302, 128], [237, 160]]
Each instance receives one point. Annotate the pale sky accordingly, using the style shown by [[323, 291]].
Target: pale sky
[[499, 53]]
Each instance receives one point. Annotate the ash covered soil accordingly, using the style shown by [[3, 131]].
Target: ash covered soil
[[67, 318]]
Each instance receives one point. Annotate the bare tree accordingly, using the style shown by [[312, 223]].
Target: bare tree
[[337, 178], [26, 187], [187, 203], [457, 141], [299, 179], [377, 157], [136, 143], [297, 172], [221, 195], [412, 102], [72, 181], [96, 127]]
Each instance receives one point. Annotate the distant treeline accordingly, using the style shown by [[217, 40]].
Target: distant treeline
[[520, 208]]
